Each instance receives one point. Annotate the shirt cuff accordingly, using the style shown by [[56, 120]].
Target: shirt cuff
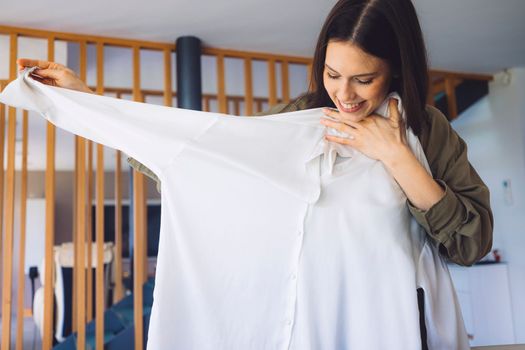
[[443, 218]]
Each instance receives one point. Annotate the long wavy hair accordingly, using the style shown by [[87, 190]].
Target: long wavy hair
[[388, 29]]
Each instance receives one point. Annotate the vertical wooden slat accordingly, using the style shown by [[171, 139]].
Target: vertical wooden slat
[[450, 90], [236, 107], [309, 77], [272, 83], [50, 222], [168, 89], [89, 231], [2, 149], [7, 275], [22, 240], [87, 198], [144, 240], [99, 274], [75, 238], [248, 87], [221, 85], [119, 290], [81, 245], [138, 185], [206, 105], [285, 82], [79, 274]]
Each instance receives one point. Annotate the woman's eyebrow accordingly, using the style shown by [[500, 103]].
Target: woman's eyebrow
[[354, 76]]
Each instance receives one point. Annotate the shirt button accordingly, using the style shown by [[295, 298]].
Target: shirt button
[[289, 322], [300, 232], [294, 276]]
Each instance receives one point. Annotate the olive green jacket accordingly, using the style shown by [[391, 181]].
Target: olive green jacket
[[461, 222]]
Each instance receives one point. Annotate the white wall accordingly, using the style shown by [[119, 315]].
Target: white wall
[[494, 129]]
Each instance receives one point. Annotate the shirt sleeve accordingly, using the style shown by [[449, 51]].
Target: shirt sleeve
[[298, 104], [152, 134], [461, 222]]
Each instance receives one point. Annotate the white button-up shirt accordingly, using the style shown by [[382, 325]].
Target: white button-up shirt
[[271, 237]]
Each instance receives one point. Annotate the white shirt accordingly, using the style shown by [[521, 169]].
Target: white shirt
[[266, 241]]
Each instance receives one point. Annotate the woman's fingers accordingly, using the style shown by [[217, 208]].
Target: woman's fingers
[[48, 73], [341, 140], [332, 112], [27, 62], [342, 127]]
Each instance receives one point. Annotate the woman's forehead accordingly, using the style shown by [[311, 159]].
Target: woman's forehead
[[349, 59]]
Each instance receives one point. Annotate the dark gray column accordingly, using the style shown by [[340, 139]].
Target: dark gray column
[[189, 87]]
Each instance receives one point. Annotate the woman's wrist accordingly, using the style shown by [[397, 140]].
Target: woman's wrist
[[418, 185], [397, 155]]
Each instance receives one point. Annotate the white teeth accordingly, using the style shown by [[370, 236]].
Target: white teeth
[[350, 105]]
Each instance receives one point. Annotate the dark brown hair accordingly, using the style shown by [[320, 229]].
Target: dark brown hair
[[388, 29]]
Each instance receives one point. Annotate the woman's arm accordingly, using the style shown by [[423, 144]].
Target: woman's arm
[[461, 222]]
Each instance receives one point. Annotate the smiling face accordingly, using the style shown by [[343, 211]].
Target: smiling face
[[356, 81]]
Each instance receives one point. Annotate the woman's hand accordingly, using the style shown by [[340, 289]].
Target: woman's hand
[[375, 136], [54, 74], [384, 139]]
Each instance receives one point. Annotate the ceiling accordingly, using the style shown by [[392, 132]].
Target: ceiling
[[483, 36]]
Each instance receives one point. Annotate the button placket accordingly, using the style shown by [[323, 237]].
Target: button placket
[[290, 312]]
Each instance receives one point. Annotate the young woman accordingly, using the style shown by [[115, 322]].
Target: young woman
[[367, 49]]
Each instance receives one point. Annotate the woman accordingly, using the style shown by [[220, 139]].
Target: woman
[[365, 50]]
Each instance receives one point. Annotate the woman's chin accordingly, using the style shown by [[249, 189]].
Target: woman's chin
[[353, 117]]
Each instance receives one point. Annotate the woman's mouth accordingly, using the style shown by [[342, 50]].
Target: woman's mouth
[[350, 107]]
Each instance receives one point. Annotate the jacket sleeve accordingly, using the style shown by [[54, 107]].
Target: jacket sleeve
[[461, 222]]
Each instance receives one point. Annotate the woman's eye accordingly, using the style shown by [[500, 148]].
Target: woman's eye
[[365, 82], [332, 76]]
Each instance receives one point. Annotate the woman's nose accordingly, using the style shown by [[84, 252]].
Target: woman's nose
[[347, 95]]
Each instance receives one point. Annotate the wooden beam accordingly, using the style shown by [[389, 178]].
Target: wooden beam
[[119, 288], [89, 231], [439, 85], [110, 41], [138, 185], [261, 56], [272, 83], [221, 85], [236, 108], [2, 150], [459, 75], [168, 95], [75, 238], [22, 240], [87, 203], [7, 275], [285, 82], [248, 87], [144, 240], [49, 299], [80, 231], [99, 273], [309, 79]]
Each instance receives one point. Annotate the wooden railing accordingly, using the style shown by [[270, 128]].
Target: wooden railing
[[82, 236]]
